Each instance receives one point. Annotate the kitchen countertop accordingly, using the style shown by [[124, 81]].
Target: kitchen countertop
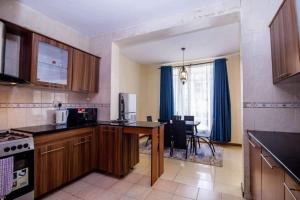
[[45, 129], [284, 147]]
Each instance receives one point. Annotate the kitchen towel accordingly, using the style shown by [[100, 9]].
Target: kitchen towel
[[6, 176]]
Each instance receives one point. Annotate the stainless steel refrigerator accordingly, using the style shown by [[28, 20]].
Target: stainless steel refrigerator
[[127, 107]]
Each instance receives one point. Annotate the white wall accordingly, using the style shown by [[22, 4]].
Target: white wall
[[256, 16]]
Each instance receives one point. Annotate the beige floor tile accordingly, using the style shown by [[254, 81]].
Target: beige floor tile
[[230, 197], [109, 196], [203, 174], [60, 195], [145, 181], [106, 182], [76, 187], [166, 185], [133, 177], [121, 187], [127, 198], [208, 195], [228, 189], [186, 191], [138, 192], [196, 182], [159, 195], [90, 193], [175, 197], [93, 178]]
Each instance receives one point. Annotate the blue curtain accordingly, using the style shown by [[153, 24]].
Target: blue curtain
[[221, 103], [166, 93]]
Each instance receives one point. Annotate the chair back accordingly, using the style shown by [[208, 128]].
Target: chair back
[[149, 118], [176, 117], [168, 135], [189, 118], [179, 134]]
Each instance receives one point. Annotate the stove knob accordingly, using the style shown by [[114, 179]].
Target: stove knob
[[25, 145], [13, 148], [7, 149], [20, 146]]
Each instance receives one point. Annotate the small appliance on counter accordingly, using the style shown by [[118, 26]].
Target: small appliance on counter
[[61, 115], [79, 116]]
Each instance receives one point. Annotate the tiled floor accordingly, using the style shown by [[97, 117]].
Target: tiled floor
[[181, 181]]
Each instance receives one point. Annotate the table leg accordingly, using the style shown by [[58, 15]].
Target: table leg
[[161, 150], [154, 156]]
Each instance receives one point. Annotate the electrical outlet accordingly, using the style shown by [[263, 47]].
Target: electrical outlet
[[56, 104]]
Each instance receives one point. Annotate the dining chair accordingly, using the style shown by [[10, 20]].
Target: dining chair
[[180, 138], [206, 138], [176, 117], [149, 119], [168, 134], [190, 131]]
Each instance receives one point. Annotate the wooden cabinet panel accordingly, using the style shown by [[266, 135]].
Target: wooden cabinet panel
[[51, 166], [291, 188], [272, 179], [285, 42], [85, 72], [110, 149], [255, 170], [51, 64], [130, 152], [82, 155]]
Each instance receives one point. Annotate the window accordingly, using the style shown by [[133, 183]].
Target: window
[[195, 96]]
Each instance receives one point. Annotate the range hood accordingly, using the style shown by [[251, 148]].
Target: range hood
[[9, 73]]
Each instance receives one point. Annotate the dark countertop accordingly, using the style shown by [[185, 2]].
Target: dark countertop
[[45, 129], [284, 147]]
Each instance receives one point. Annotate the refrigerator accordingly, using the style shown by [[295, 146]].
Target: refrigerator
[[127, 107]]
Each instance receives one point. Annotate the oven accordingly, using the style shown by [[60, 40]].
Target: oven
[[23, 176]]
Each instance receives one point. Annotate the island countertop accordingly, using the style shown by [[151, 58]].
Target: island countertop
[[51, 128], [284, 147]]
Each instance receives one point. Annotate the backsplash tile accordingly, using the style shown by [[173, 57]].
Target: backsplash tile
[[25, 106], [270, 105]]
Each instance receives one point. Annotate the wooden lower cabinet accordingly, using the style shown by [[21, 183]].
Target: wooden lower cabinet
[[291, 188], [255, 170], [272, 179], [51, 166]]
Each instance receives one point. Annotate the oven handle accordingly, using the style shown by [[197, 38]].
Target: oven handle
[[53, 150]]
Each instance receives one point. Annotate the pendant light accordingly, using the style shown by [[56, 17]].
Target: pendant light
[[183, 75]]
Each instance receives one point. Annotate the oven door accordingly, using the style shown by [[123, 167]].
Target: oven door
[[23, 176]]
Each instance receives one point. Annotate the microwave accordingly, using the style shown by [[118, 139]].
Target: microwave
[[79, 116]]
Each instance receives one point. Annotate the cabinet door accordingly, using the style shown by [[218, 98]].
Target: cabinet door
[[291, 188], [94, 74], [51, 63], [272, 179], [255, 170], [285, 42], [110, 150], [81, 155], [78, 70], [51, 166]]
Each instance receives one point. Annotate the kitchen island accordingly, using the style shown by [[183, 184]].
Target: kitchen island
[[66, 153]]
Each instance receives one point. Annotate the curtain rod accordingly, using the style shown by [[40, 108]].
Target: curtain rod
[[189, 65]]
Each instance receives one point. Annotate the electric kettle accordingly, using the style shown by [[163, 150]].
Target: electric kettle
[[61, 116]]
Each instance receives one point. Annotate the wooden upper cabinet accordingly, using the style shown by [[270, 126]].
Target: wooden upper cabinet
[[285, 43], [51, 63], [85, 75]]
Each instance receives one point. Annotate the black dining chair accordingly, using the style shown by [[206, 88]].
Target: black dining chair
[[180, 138], [168, 134], [176, 117], [206, 138], [190, 131], [149, 119]]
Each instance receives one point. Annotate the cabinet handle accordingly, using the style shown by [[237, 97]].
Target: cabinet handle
[[53, 150], [290, 191], [252, 144], [266, 160], [79, 143]]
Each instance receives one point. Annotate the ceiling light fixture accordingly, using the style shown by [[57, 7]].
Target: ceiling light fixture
[[183, 75]]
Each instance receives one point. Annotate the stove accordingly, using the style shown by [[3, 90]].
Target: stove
[[14, 142], [20, 146]]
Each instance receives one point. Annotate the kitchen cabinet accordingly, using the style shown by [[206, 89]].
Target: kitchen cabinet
[[255, 169], [272, 178], [291, 188], [110, 149], [51, 166], [85, 75], [82, 154], [51, 63], [62, 157], [285, 43]]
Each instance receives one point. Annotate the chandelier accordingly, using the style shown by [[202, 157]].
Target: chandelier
[[183, 75]]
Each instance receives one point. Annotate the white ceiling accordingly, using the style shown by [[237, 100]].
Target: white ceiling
[[203, 44], [98, 16]]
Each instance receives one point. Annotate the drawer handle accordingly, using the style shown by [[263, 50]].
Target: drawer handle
[[290, 191], [266, 160], [252, 144], [79, 143], [53, 150]]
